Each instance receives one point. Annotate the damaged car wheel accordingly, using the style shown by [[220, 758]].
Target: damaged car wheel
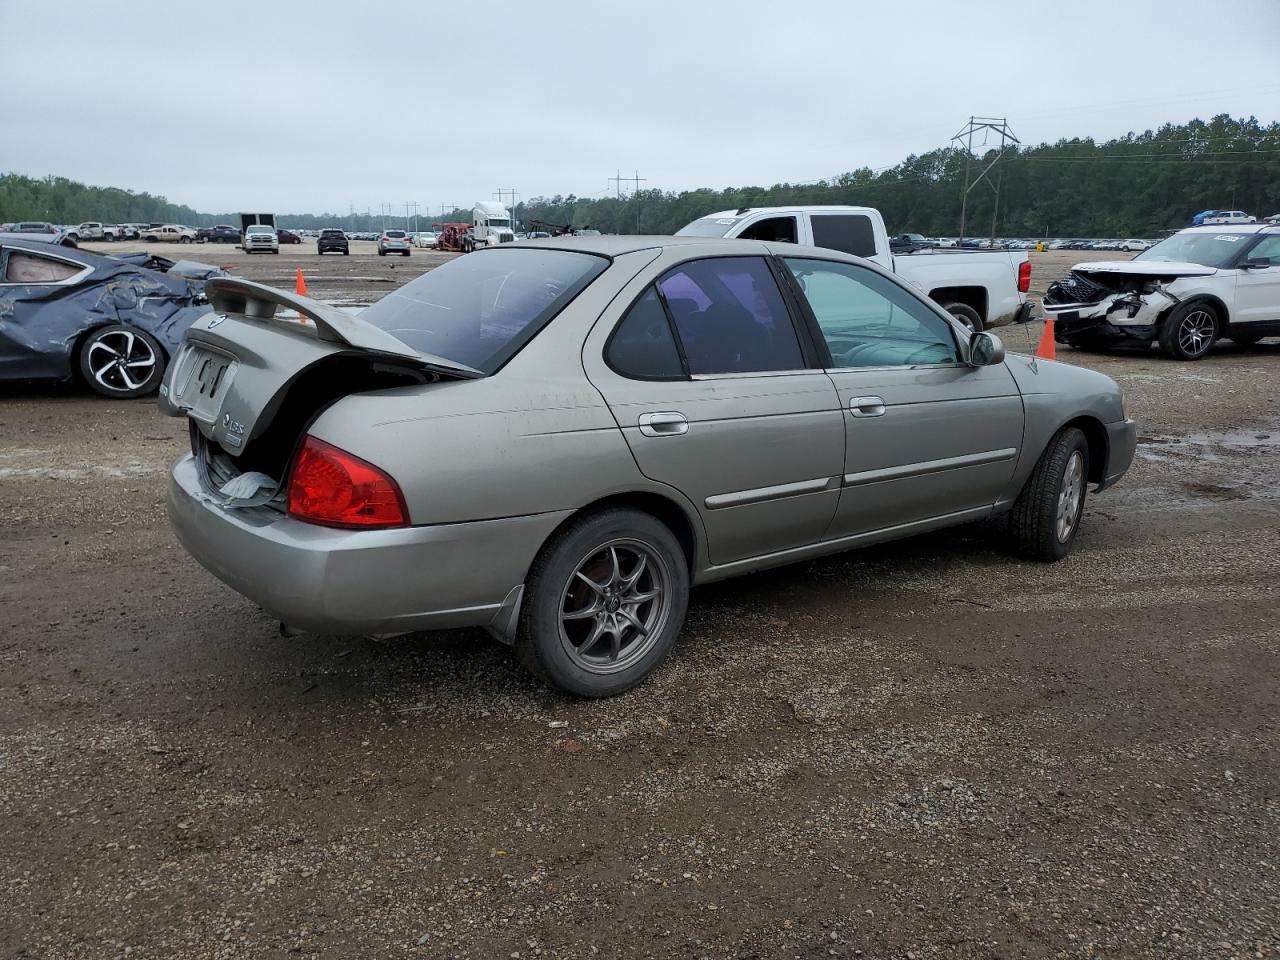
[[1189, 332], [122, 361]]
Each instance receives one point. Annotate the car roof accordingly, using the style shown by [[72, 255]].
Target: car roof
[[615, 246], [792, 208], [13, 242], [1231, 228]]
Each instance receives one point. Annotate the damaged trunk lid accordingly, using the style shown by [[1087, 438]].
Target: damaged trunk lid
[[253, 375]]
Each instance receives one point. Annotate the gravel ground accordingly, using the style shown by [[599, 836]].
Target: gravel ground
[[927, 749]]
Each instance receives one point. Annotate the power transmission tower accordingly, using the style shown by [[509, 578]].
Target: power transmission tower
[[619, 180], [987, 126], [409, 204]]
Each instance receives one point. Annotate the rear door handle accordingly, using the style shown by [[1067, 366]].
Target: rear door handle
[[666, 424], [867, 406]]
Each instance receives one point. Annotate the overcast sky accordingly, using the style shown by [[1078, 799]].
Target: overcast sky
[[315, 106]]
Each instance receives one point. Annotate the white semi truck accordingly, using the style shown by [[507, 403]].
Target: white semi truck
[[490, 225]]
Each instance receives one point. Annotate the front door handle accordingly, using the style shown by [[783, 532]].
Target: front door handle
[[666, 424], [867, 406]]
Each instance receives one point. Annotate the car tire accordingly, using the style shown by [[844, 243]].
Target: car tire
[[603, 654], [1046, 516], [965, 314], [106, 349], [1244, 339], [346, 253], [1189, 331]]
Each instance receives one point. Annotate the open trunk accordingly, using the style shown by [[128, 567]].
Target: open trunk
[[251, 382]]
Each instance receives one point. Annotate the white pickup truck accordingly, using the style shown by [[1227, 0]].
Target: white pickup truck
[[981, 288]]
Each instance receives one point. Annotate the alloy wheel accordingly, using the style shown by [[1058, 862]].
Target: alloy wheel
[[615, 605], [1069, 496], [121, 361], [1196, 332]]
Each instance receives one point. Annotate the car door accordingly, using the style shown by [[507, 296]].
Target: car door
[[720, 397], [31, 346], [1258, 288], [926, 435]]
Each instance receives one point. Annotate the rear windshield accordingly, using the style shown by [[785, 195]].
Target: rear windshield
[[1205, 248], [395, 234], [481, 309], [332, 233]]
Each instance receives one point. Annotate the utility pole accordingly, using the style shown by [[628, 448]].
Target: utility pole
[[407, 205], [963, 140], [619, 180], [501, 195]]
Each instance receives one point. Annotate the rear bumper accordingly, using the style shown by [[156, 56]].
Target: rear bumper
[[1122, 441], [325, 580]]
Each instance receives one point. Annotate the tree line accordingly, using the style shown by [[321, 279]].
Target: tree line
[[1136, 185]]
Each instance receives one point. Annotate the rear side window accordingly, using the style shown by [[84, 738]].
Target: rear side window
[[21, 267], [731, 317], [846, 232], [480, 310], [643, 347]]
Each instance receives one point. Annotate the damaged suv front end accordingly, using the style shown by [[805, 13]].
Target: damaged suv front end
[[1117, 301]]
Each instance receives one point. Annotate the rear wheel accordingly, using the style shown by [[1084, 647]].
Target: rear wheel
[[604, 602], [122, 361], [1189, 332], [965, 314], [1046, 515]]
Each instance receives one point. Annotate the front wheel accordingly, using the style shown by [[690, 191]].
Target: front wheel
[[1046, 515], [604, 602], [121, 361], [1189, 332]]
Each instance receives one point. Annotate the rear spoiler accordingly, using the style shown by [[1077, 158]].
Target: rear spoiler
[[256, 301]]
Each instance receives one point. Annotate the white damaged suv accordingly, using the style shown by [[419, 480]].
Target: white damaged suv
[[1185, 293]]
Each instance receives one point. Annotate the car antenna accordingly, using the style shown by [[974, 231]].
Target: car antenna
[[741, 211]]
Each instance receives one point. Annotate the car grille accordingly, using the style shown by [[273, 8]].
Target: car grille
[[1075, 288], [505, 239]]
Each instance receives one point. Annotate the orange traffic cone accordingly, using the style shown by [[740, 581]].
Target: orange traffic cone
[[1046, 350], [300, 286]]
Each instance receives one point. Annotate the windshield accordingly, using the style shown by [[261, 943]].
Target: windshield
[[481, 309], [708, 227], [1206, 249], [497, 222], [255, 230]]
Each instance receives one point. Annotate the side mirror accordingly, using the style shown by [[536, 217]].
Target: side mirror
[[1256, 263], [985, 350]]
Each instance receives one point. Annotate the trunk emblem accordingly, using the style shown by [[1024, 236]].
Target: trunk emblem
[[234, 426]]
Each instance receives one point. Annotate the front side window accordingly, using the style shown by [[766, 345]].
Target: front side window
[[867, 320], [22, 267], [481, 310], [1267, 249], [773, 230], [642, 346], [731, 317], [846, 232]]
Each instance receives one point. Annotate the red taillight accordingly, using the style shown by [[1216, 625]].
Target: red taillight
[[332, 487], [1024, 276]]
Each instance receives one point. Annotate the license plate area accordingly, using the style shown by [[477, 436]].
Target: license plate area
[[201, 382]]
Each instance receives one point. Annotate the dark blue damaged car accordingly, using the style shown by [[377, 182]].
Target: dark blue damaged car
[[112, 321]]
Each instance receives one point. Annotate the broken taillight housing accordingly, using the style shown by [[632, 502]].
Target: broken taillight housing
[[1024, 276], [337, 489]]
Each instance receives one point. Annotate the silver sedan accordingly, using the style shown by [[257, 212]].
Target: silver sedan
[[556, 439]]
